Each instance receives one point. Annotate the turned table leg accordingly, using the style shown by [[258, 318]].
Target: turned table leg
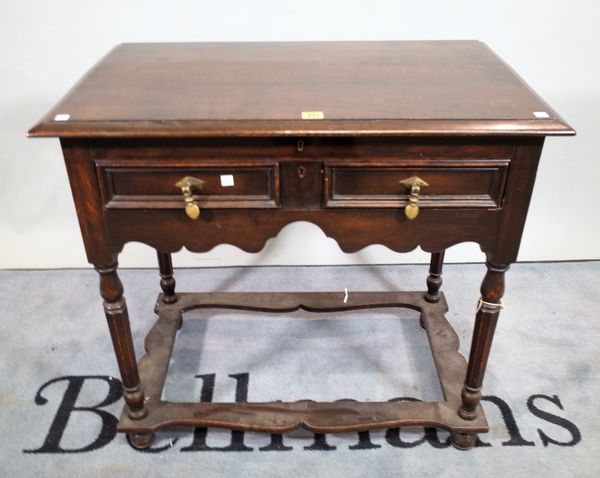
[[167, 281], [117, 317], [488, 310], [434, 281]]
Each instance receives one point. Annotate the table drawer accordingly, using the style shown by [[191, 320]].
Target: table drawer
[[144, 184], [359, 184]]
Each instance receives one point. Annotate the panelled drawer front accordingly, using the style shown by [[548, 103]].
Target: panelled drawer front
[[150, 184], [472, 184]]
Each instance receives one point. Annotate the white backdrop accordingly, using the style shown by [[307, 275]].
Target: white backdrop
[[45, 46]]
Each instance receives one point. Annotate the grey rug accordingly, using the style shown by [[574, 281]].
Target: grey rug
[[60, 392]]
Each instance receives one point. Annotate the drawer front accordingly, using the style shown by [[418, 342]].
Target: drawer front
[[360, 184], [150, 184]]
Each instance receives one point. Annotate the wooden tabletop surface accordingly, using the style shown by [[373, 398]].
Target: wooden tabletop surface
[[262, 89]]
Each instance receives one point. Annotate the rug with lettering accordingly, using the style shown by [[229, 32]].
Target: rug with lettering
[[61, 396]]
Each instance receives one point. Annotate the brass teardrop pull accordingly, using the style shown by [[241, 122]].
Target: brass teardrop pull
[[186, 184], [414, 183]]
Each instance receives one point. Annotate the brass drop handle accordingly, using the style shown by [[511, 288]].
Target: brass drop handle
[[186, 184], [414, 183]]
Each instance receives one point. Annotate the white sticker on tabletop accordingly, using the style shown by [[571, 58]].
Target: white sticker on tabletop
[[62, 117], [226, 180], [541, 114]]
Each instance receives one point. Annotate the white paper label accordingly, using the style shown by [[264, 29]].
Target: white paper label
[[226, 180], [541, 114], [62, 117]]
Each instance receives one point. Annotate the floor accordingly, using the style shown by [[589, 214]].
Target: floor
[[60, 392]]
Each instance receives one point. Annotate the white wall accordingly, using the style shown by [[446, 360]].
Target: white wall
[[45, 46]]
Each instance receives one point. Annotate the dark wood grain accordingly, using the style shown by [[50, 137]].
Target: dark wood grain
[[151, 184], [450, 184], [261, 89], [519, 189]]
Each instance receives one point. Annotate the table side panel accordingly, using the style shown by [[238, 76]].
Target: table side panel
[[519, 189]]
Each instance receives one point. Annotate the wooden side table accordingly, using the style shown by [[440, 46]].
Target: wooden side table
[[403, 144]]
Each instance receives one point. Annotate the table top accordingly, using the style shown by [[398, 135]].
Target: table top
[[301, 89]]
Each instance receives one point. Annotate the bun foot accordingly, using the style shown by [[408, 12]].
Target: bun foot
[[140, 441], [463, 441]]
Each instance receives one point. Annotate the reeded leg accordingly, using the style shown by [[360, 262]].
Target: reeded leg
[[117, 317], [167, 281], [488, 310], [434, 281]]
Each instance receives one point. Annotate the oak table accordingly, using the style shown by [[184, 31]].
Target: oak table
[[403, 144]]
